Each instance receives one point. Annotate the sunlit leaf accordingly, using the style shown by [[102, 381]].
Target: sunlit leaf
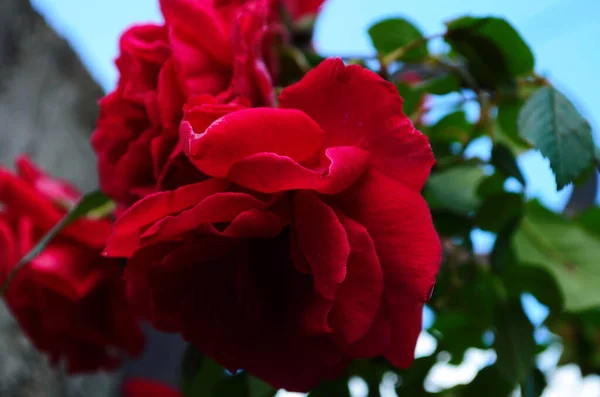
[[538, 282], [565, 249], [590, 219], [394, 33], [455, 189], [550, 122]]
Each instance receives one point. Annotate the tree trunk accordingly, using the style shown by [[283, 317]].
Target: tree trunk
[[47, 110]]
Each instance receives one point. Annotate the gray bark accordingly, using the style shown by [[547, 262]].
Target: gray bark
[[47, 110], [47, 98]]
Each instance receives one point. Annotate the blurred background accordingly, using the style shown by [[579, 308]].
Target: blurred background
[[47, 108]]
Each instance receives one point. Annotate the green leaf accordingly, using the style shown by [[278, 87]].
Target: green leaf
[[498, 210], [455, 189], [413, 378], [538, 282], [565, 249], [89, 203], [440, 85], [488, 383], [597, 156], [332, 388], [534, 384], [456, 333], [504, 161], [411, 96], [508, 114], [468, 297], [391, 34], [550, 122], [491, 185], [514, 342], [590, 220], [503, 255], [372, 372], [451, 128], [293, 65], [449, 224], [259, 388], [579, 339], [202, 376], [506, 130], [230, 385], [92, 203], [494, 50]]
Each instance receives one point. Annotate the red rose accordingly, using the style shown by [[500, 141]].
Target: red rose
[[309, 245], [69, 300], [210, 37], [300, 9], [202, 49], [136, 387], [136, 136]]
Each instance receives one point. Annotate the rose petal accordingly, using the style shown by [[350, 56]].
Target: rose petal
[[254, 223], [67, 269], [219, 207], [359, 297], [241, 134], [377, 341], [270, 173], [323, 242], [406, 320], [200, 45], [55, 189], [129, 226], [138, 387], [132, 168], [185, 16], [169, 97], [201, 111], [251, 77], [399, 222], [356, 107], [148, 42], [22, 200]]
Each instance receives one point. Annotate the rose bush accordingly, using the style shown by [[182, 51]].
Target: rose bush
[[308, 245], [69, 300], [287, 236]]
